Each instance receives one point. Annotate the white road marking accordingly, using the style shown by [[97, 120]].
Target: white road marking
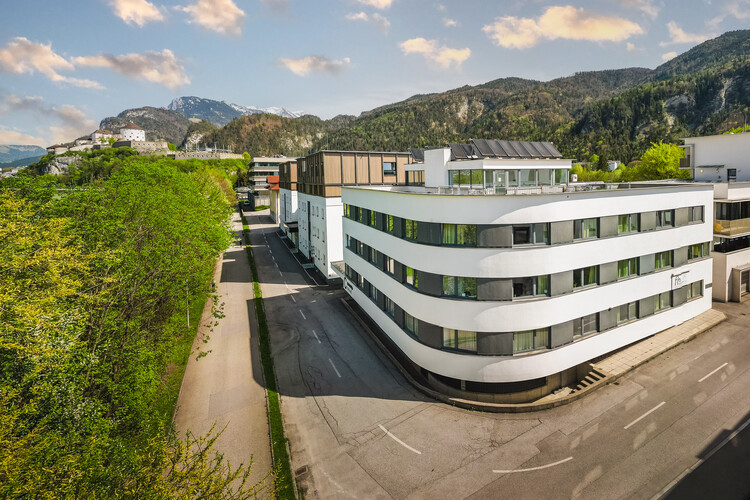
[[280, 274], [293, 299], [534, 468], [631, 424], [303, 314], [399, 441], [716, 370], [334, 367], [316, 336], [700, 462]]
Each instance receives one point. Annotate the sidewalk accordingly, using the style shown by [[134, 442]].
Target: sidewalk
[[225, 388]]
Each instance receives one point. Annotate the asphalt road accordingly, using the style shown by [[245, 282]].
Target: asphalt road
[[357, 429]]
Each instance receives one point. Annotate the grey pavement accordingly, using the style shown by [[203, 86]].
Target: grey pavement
[[225, 389], [357, 429]]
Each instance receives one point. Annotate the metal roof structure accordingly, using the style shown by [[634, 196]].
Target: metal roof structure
[[488, 148]]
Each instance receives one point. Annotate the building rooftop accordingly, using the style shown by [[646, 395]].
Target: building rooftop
[[495, 149], [133, 126]]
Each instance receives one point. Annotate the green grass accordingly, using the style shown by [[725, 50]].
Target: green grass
[[282, 466], [261, 207]]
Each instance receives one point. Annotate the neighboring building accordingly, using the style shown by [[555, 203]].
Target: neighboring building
[[102, 136], [145, 148], [207, 155], [84, 141], [57, 149], [258, 170], [288, 201], [321, 177], [273, 195], [723, 161], [500, 281], [132, 132]]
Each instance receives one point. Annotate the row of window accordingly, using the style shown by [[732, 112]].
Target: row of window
[[528, 340], [522, 234], [465, 287], [732, 210], [501, 179]]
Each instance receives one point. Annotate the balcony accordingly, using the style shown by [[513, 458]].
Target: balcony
[[732, 228]]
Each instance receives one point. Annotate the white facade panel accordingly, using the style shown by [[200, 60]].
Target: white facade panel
[[727, 151]]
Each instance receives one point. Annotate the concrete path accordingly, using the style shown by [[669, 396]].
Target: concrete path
[[225, 388]]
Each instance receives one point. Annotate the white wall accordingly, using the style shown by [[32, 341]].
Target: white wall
[[304, 230], [722, 269], [129, 134], [729, 150], [288, 206]]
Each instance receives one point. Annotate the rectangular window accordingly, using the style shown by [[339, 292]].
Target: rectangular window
[[512, 178], [528, 177], [389, 168], [449, 234], [360, 248], [389, 223], [373, 257], [373, 218], [459, 286], [531, 286], [411, 324], [411, 277], [464, 177], [389, 265], [373, 294], [531, 339], [662, 301], [561, 176], [347, 211], [663, 259], [695, 289], [627, 268], [627, 312], [586, 325], [627, 223], [695, 214], [586, 276], [699, 250], [477, 178], [361, 216], [410, 229], [585, 228], [531, 234], [389, 307], [460, 339], [459, 234], [665, 218]]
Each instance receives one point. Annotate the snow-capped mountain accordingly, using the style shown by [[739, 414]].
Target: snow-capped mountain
[[220, 112]]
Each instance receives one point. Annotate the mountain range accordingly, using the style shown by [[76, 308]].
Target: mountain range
[[16, 152], [221, 112]]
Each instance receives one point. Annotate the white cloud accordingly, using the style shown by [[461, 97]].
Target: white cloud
[[449, 23], [669, 55], [631, 47], [739, 9], [566, 22], [158, 67], [442, 55], [378, 4], [22, 56], [309, 64], [137, 12], [72, 121], [440, 7], [222, 16], [678, 35], [8, 136], [380, 22], [645, 6]]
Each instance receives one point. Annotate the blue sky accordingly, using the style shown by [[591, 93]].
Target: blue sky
[[66, 65]]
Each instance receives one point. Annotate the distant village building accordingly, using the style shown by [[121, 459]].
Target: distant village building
[[101, 136], [132, 132]]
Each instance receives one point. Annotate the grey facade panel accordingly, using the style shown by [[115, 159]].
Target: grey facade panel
[[498, 344], [560, 283], [494, 236], [608, 226], [645, 307], [648, 221], [681, 217], [381, 301], [561, 334], [431, 335], [561, 232], [429, 233], [607, 319], [494, 289], [398, 315], [607, 273], [431, 284], [646, 264], [379, 224], [398, 227], [680, 256], [399, 270], [679, 296]]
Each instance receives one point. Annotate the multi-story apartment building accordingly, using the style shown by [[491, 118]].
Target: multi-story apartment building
[[288, 203], [259, 170], [499, 280], [723, 161], [321, 176]]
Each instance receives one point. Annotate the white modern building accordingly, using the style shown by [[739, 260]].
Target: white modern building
[[723, 161], [288, 202], [132, 132], [500, 281], [321, 177], [259, 170]]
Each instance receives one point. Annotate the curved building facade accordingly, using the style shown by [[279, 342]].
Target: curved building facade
[[503, 291]]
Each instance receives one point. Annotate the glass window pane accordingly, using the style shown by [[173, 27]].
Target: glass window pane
[[577, 327], [541, 233], [528, 177], [466, 341], [449, 285], [623, 223], [449, 234], [449, 338], [622, 269], [465, 177], [512, 178], [589, 277], [542, 285], [589, 323], [523, 287], [545, 177], [541, 338], [523, 341], [590, 228], [455, 180], [467, 287], [632, 312], [561, 176], [521, 235], [498, 178], [477, 178], [466, 234]]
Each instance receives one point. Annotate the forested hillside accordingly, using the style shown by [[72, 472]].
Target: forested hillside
[[96, 269]]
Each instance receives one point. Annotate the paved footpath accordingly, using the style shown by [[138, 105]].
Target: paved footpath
[[225, 388]]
